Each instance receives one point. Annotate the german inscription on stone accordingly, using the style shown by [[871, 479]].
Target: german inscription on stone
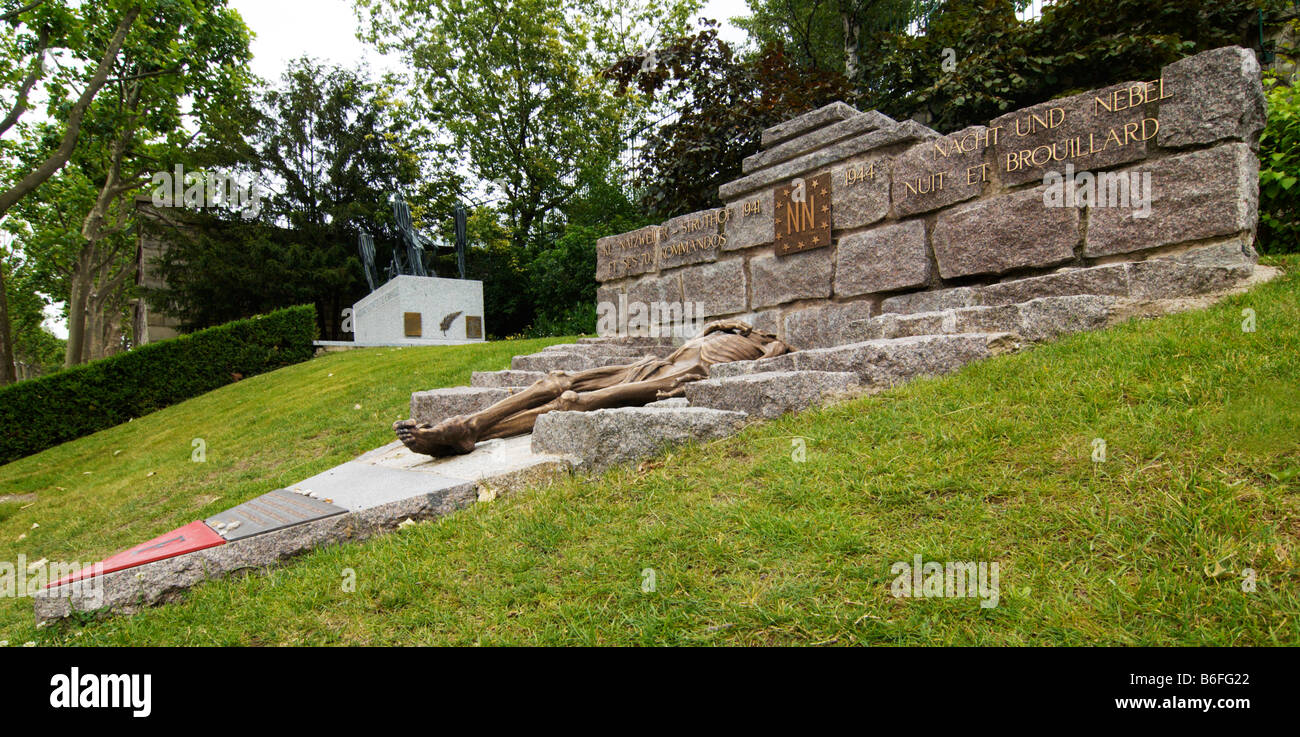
[[802, 220]]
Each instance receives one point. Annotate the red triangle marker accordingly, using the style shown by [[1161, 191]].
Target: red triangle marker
[[187, 539]]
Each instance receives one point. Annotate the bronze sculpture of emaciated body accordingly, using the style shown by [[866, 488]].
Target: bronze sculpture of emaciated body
[[634, 384]]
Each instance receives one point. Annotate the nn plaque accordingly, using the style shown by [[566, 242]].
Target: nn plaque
[[802, 218]]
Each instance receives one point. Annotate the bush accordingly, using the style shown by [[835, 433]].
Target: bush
[[1279, 173], [44, 412]]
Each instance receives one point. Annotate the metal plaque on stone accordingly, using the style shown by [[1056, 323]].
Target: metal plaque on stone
[[473, 327], [273, 511], [802, 220]]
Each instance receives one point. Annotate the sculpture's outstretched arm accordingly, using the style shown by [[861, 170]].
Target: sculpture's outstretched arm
[[776, 348], [726, 326]]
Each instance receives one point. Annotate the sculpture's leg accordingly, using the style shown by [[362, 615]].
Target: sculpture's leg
[[632, 394], [456, 435]]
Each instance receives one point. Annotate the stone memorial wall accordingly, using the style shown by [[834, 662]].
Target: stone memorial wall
[[845, 215]]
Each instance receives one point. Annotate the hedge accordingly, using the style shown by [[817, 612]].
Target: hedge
[[44, 412]]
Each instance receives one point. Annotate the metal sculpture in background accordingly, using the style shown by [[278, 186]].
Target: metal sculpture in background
[[366, 244], [409, 254], [413, 241], [461, 221]]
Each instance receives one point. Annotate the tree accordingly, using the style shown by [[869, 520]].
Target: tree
[[337, 147], [516, 86], [32, 31], [723, 103]]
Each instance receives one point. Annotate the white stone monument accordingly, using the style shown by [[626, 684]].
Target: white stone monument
[[420, 310]]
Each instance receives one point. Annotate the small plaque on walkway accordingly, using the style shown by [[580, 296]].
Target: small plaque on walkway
[[273, 511]]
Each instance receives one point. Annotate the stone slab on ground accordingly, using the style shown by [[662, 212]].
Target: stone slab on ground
[[607, 437], [356, 485], [272, 511], [770, 394], [436, 405], [502, 464], [565, 361]]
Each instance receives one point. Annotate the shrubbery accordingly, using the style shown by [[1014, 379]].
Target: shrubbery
[[1279, 173], [44, 412]]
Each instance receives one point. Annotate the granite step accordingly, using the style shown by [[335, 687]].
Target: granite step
[[561, 361], [505, 379], [607, 437], [884, 362], [1151, 279], [770, 394], [1036, 320], [436, 405]]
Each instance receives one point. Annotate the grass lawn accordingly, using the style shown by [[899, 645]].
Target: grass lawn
[[747, 544]]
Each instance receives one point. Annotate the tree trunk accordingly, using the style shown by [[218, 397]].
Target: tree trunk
[[79, 292], [8, 373], [852, 34]]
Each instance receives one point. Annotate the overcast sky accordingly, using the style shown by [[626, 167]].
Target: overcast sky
[[326, 29]]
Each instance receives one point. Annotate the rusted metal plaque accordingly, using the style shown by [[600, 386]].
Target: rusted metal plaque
[[802, 220], [413, 324]]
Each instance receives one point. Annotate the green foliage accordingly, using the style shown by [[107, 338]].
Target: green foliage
[[723, 103], [1279, 173], [339, 145], [44, 412], [1003, 64]]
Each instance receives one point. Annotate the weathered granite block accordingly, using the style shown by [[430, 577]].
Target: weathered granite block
[[815, 139], [942, 171], [1233, 251], [882, 259], [504, 379], [906, 132], [770, 395], [860, 192], [1197, 195], [780, 280], [721, 287], [1049, 317], [1213, 96], [628, 254], [607, 437], [691, 239], [1157, 279], [769, 321], [883, 362], [931, 301], [749, 222], [1002, 233], [438, 404], [824, 325], [822, 116], [1111, 279], [1093, 130]]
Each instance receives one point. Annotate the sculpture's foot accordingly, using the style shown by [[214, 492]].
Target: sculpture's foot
[[452, 436]]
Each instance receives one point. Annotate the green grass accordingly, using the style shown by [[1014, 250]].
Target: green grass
[[1201, 481]]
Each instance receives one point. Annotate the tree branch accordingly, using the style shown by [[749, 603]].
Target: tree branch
[[38, 68], [61, 155]]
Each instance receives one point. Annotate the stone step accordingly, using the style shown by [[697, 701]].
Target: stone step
[[770, 394], [1038, 319], [607, 437], [597, 350], [437, 405], [1151, 279], [884, 362], [558, 361], [504, 379], [814, 139]]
